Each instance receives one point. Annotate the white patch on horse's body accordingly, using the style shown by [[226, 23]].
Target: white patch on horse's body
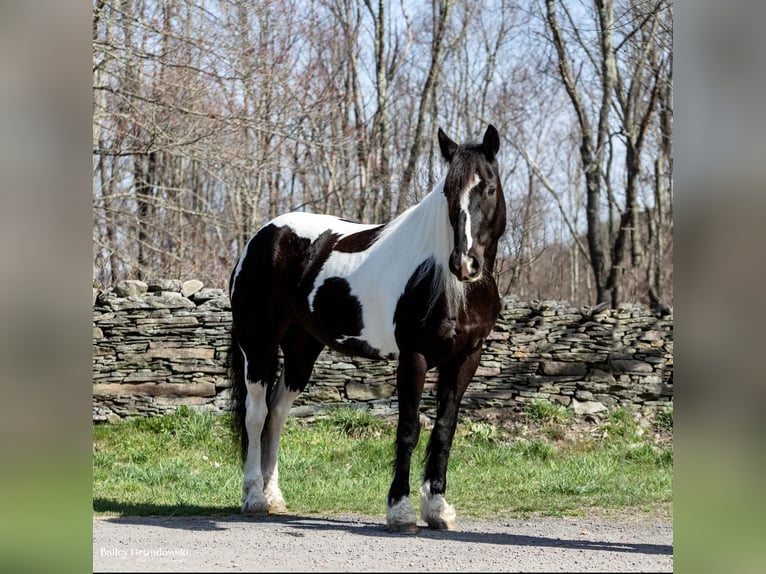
[[312, 225], [378, 276], [435, 510]]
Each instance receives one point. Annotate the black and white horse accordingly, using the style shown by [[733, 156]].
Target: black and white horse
[[418, 289]]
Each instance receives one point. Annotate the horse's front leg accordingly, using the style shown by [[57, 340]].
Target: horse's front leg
[[410, 377], [453, 381]]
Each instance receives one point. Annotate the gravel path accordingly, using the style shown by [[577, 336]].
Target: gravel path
[[363, 544]]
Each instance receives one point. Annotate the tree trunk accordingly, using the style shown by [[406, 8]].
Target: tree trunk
[[437, 44]]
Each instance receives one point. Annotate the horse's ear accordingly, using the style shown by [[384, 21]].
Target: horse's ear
[[447, 146], [491, 143]]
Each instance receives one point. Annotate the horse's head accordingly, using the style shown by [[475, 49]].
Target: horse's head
[[475, 202]]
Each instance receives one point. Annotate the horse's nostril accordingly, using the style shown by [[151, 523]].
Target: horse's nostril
[[470, 268]]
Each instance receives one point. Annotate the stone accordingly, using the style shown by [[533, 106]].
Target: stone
[[207, 293], [606, 400], [155, 389], [654, 391], [631, 366], [563, 368], [216, 303], [144, 376], [164, 285], [190, 287], [599, 376], [582, 356], [483, 371], [305, 411], [515, 367], [561, 399], [364, 392], [343, 366], [170, 300], [130, 288], [323, 394], [169, 353], [493, 336], [651, 336], [188, 401], [196, 367], [164, 322], [587, 407]]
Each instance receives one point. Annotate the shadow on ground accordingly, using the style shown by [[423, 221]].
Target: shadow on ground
[[196, 518]]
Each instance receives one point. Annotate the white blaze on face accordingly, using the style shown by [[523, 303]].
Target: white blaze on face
[[465, 200]]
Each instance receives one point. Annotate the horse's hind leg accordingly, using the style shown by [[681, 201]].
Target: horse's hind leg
[[300, 351], [259, 371]]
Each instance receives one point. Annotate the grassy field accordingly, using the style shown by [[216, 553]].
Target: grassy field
[[187, 463]]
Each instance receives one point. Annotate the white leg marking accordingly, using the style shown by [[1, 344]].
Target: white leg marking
[[279, 407], [435, 510], [401, 516], [253, 501]]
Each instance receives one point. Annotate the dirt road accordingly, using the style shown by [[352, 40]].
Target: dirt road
[[363, 544]]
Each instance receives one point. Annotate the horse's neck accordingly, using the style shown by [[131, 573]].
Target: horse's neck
[[421, 233]]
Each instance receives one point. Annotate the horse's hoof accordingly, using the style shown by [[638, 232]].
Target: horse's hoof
[[401, 516], [439, 524], [279, 508], [407, 528], [255, 510]]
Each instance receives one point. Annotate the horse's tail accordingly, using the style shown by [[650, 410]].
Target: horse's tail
[[238, 393]]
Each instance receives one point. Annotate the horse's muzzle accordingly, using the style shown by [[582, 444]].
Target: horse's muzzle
[[465, 266]]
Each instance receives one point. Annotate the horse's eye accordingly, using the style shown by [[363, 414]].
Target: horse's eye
[[491, 191]]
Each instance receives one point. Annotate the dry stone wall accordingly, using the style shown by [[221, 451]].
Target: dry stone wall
[[161, 344]]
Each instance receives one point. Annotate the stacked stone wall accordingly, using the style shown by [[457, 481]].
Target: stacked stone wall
[[162, 344]]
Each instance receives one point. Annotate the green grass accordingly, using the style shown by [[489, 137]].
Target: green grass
[[665, 419], [187, 463], [547, 412]]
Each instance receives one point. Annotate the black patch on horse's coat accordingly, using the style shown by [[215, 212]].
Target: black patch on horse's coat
[[419, 326], [359, 348], [337, 309], [359, 241], [337, 314], [274, 251], [316, 255]]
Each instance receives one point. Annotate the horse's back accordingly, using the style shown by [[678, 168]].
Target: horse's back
[[278, 269]]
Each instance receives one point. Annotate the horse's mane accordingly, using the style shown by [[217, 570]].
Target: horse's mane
[[419, 233]]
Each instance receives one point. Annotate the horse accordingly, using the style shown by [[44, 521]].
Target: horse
[[419, 289]]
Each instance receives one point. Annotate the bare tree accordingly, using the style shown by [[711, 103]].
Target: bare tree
[[211, 117], [629, 77], [440, 19]]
